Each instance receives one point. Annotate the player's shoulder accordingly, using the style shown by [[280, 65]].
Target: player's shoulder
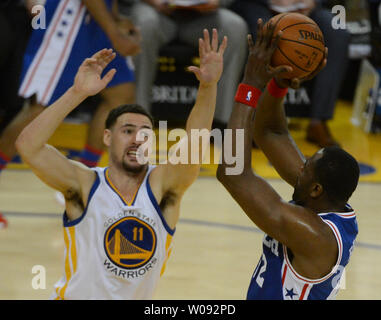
[[84, 172], [344, 224], [87, 177]]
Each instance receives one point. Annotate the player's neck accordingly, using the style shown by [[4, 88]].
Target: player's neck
[[126, 181]]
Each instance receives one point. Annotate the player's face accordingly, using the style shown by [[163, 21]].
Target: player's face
[[305, 180], [129, 132]]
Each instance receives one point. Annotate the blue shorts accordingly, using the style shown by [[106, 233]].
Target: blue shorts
[[54, 54]]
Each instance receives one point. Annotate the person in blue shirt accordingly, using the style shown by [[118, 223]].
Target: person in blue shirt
[[309, 240]]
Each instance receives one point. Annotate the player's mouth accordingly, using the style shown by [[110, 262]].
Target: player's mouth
[[132, 154]]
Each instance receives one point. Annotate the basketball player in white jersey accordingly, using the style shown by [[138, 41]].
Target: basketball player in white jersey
[[119, 220], [308, 241]]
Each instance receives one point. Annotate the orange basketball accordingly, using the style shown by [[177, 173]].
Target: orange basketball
[[301, 45]]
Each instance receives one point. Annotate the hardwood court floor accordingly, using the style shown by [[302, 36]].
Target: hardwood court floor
[[216, 247]]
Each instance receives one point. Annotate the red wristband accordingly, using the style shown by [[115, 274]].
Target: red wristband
[[247, 95], [275, 90]]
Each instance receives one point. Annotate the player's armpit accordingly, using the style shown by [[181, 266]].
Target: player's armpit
[[69, 177], [174, 178]]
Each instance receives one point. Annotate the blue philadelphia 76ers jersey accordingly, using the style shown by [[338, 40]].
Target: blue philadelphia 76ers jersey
[[275, 279]]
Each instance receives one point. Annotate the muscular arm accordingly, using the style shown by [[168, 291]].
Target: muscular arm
[[271, 132], [298, 228], [54, 169], [177, 177], [272, 136], [69, 177]]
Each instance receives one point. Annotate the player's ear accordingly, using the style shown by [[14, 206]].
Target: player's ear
[[316, 190], [107, 137]]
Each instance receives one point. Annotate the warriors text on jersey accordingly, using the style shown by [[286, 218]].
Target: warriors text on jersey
[[275, 278], [116, 249]]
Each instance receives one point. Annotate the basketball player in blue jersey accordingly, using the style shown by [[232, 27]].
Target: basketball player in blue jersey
[[119, 220], [309, 240]]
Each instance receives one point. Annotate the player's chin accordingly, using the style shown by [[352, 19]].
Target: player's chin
[[131, 164]]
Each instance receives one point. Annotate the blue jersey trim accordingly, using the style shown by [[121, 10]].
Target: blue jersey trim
[[157, 207], [66, 221]]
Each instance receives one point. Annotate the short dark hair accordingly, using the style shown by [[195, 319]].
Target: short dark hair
[[126, 108], [338, 172]]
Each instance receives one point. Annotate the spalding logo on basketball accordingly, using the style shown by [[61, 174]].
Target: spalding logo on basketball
[[301, 45]]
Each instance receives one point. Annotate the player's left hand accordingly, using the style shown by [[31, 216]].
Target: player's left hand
[[211, 59], [295, 83], [88, 80]]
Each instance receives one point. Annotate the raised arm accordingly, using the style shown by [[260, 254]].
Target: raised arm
[[177, 177], [298, 228], [270, 125], [69, 177]]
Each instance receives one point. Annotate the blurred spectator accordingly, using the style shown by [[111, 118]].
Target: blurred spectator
[[326, 85], [74, 31], [161, 22], [375, 21], [14, 33]]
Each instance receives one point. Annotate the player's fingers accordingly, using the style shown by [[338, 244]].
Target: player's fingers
[[110, 57], [106, 58], [250, 42], [89, 61], [109, 76], [214, 40], [195, 70], [201, 48], [275, 41], [207, 40], [99, 54], [278, 71], [295, 83], [268, 34], [259, 32], [223, 45]]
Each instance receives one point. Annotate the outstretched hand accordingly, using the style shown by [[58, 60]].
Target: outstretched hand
[[258, 71], [211, 59], [88, 80]]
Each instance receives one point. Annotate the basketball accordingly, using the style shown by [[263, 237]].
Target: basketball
[[301, 45]]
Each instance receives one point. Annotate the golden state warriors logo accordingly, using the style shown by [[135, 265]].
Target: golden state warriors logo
[[130, 243]]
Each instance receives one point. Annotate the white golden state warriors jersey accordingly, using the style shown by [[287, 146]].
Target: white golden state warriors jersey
[[116, 249]]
